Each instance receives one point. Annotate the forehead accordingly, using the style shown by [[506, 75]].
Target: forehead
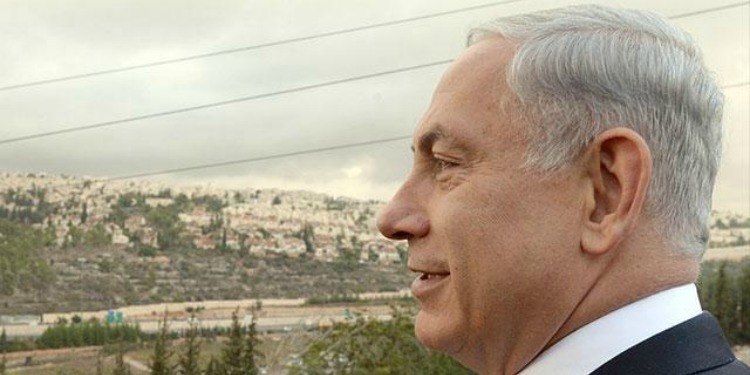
[[481, 67], [472, 96]]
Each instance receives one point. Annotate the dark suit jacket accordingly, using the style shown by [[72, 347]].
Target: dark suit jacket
[[697, 346]]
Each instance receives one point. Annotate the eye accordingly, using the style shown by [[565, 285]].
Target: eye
[[441, 165]]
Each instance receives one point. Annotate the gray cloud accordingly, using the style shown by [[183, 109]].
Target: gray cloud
[[47, 39]]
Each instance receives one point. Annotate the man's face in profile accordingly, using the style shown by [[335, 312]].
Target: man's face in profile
[[489, 240]]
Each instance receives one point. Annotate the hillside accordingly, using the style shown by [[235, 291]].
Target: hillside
[[79, 244], [85, 244]]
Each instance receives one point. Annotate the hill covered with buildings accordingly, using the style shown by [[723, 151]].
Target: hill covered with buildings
[[76, 243], [70, 243]]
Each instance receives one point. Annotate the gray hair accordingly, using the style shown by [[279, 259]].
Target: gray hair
[[581, 70]]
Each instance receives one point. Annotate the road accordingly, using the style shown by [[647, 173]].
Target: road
[[272, 319]]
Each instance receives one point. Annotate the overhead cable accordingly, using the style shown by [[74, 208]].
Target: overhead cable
[[258, 46], [304, 39], [233, 101], [219, 103], [275, 93], [261, 158], [710, 10], [734, 85], [287, 154]]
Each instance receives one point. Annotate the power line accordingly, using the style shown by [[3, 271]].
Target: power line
[[710, 10], [258, 46], [736, 85], [286, 91], [237, 100], [304, 39], [261, 158], [219, 103], [288, 154]]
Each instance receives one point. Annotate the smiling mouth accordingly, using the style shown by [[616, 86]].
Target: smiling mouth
[[427, 283], [432, 276]]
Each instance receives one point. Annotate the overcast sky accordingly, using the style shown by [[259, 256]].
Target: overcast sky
[[49, 39]]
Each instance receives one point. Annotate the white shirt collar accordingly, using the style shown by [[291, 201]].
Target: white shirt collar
[[592, 345]]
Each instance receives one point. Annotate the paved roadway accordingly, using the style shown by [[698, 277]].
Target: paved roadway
[[278, 319]]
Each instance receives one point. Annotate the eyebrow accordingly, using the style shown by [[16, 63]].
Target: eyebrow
[[426, 140]]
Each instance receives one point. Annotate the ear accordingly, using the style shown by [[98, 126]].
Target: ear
[[618, 166]]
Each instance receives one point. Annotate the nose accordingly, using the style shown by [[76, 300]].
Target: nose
[[402, 218]]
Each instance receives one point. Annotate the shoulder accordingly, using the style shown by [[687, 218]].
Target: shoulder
[[697, 346]]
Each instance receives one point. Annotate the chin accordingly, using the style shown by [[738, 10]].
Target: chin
[[439, 333]]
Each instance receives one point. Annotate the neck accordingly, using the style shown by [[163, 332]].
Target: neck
[[627, 279]]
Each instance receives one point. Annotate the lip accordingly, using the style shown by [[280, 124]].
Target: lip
[[427, 283]]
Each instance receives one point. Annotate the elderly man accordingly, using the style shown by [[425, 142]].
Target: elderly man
[[559, 199]]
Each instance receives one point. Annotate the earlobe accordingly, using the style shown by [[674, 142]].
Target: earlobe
[[618, 165]]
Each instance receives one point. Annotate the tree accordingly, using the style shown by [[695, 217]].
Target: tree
[[308, 236], [250, 352], [121, 368], [188, 359], [744, 292], [97, 236], [4, 345], [214, 367], [3, 349], [159, 363], [720, 224], [724, 305], [371, 346], [84, 213], [231, 353], [166, 222]]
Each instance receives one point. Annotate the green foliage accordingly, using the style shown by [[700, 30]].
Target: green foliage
[[166, 193], [188, 358], [371, 346], [276, 200], [264, 233], [307, 234], [97, 236], [84, 213], [131, 199], [182, 202], [212, 203], [159, 363], [4, 344], [251, 352], [214, 367], [335, 204], [166, 222], [744, 305], [724, 289], [74, 237], [64, 335], [127, 204], [22, 265], [231, 353], [240, 353], [335, 298], [147, 251]]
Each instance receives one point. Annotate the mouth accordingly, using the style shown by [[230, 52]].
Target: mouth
[[427, 283], [432, 276]]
